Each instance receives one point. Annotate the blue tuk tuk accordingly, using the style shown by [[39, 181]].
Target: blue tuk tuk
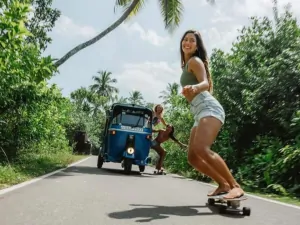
[[127, 136]]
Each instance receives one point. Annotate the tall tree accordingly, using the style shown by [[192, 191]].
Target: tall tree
[[136, 97], [81, 98], [150, 105], [121, 100], [171, 11], [41, 22], [103, 85], [171, 90]]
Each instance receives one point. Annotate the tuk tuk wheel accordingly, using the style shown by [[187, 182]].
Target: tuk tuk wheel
[[100, 162], [142, 168], [127, 165]]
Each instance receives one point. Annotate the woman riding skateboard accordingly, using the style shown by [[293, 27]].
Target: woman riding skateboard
[[163, 136], [208, 114]]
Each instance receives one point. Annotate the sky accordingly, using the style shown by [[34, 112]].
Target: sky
[[140, 53]]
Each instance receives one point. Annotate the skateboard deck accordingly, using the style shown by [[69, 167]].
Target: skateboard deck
[[231, 204]]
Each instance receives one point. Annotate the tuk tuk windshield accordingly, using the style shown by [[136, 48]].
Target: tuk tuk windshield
[[131, 118]]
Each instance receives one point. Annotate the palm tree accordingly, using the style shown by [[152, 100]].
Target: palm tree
[[136, 97], [171, 11], [80, 96], [149, 105], [97, 104], [171, 90], [88, 101], [121, 100], [103, 85]]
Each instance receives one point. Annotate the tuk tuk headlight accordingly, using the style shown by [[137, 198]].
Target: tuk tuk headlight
[[130, 150]]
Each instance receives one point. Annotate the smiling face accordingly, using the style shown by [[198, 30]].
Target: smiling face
[[158, 109], [189, 44]]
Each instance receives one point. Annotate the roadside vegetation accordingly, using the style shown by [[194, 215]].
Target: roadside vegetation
[[257, 82]]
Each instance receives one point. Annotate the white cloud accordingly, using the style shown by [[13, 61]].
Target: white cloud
[[248, 8], [227, 20], [214, 38], [221, 17], [251, 7], [294, 3], [150, 78], [194, 3], [65, 26], [147, 35]]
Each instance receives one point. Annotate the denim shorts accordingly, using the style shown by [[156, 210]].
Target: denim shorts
[[154, 143], [204, 105]]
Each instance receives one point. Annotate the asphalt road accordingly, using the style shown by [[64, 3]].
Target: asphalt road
[[85, 195]]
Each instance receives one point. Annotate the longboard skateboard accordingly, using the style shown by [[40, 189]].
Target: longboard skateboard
[[231, 204], [161, 172]]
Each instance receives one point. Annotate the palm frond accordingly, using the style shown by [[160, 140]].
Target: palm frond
[[172, 11], [124, 4]]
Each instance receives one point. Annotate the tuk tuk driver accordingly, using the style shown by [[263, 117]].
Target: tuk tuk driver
[[163, 135]]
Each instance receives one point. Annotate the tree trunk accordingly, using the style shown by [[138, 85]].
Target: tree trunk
[[98, 37]]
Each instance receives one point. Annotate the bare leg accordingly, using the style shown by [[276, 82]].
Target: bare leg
[[201, 166], [205, 135], [162, 154]]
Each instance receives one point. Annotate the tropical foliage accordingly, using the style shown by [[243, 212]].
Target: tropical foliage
[[257, 82]]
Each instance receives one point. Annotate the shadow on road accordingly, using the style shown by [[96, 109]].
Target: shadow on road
[[155, 212], [71, 171], [148, 213]]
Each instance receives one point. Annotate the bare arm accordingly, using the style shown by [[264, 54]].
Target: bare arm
[[156, 131], [163, 121], [197, 67], [179, 143]]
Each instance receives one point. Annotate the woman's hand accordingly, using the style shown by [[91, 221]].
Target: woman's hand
[[189, 91]]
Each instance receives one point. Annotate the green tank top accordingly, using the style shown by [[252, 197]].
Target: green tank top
[[187, 78]]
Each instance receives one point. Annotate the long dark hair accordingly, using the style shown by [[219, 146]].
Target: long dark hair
[[171, 134], [200, 52], [155, 108]]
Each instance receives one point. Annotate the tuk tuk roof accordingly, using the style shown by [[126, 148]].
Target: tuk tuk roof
[[131, 106]]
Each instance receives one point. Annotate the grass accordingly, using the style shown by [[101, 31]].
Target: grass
[[284, 199], [34, 165]]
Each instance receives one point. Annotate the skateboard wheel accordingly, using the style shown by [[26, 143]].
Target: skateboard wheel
[[211, 201], [246, 211]]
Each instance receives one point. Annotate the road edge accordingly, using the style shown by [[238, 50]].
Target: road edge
[[249, 195], [31, 181]]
